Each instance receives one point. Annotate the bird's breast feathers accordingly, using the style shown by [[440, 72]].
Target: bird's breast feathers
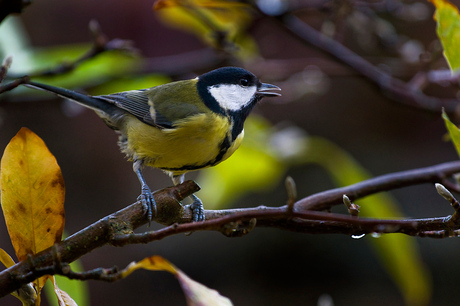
[[197, 142]]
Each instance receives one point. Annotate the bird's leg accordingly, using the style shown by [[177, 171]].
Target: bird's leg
[[146, 196], [197, 205]]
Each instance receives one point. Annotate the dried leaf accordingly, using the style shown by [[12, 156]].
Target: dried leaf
[[198, 294], [63, 298], [195, 293]]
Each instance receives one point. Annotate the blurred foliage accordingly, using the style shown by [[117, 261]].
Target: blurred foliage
[[221, 24], [98, 70], [28, 60], [448, 30]]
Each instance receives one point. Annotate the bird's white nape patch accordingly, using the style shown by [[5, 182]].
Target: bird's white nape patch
[[231, 96]]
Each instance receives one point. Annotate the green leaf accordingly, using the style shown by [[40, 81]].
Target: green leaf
[[453, 130], [448, 30]]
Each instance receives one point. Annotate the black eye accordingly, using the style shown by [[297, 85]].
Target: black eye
[[244, 82]]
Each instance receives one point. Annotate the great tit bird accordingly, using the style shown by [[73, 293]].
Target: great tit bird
[[180, 126]]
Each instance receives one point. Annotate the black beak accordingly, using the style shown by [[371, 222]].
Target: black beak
[[263, 90]]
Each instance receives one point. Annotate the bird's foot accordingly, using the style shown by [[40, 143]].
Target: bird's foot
[[197, 209], [148, 202]]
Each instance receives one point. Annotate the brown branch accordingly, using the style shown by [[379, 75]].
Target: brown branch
[[3, 72], [304, 222], [434, 174], [12, 85], [117, 229]]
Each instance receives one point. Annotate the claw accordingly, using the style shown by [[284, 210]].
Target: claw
[[197, 209], [148, 202], [146, 196]]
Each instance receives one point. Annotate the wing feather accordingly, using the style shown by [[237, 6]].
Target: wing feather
[[136, 102]]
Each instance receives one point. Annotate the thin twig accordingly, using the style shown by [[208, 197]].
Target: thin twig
[[13, 84], [393, 88]]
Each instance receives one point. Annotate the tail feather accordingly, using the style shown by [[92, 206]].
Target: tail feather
[[85, 100]]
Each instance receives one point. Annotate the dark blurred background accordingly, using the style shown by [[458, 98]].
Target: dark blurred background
[[268, 266]]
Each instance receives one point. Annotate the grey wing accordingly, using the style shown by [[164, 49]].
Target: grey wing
[[135, 102]]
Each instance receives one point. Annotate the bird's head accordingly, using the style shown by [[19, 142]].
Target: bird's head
[[232, 90]]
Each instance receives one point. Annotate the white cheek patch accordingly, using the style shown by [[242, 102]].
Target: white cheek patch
[[232, 97]]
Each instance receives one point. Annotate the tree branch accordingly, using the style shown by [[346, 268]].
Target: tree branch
[[434, 174], [117, 229]]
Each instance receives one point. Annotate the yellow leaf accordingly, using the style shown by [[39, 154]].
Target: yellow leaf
[[154, 263], [32, 194], [6, 259]]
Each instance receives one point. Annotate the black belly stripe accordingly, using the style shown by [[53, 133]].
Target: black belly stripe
[[224, 146]]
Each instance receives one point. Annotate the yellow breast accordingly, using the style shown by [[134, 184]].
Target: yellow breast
[[195, 143]]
